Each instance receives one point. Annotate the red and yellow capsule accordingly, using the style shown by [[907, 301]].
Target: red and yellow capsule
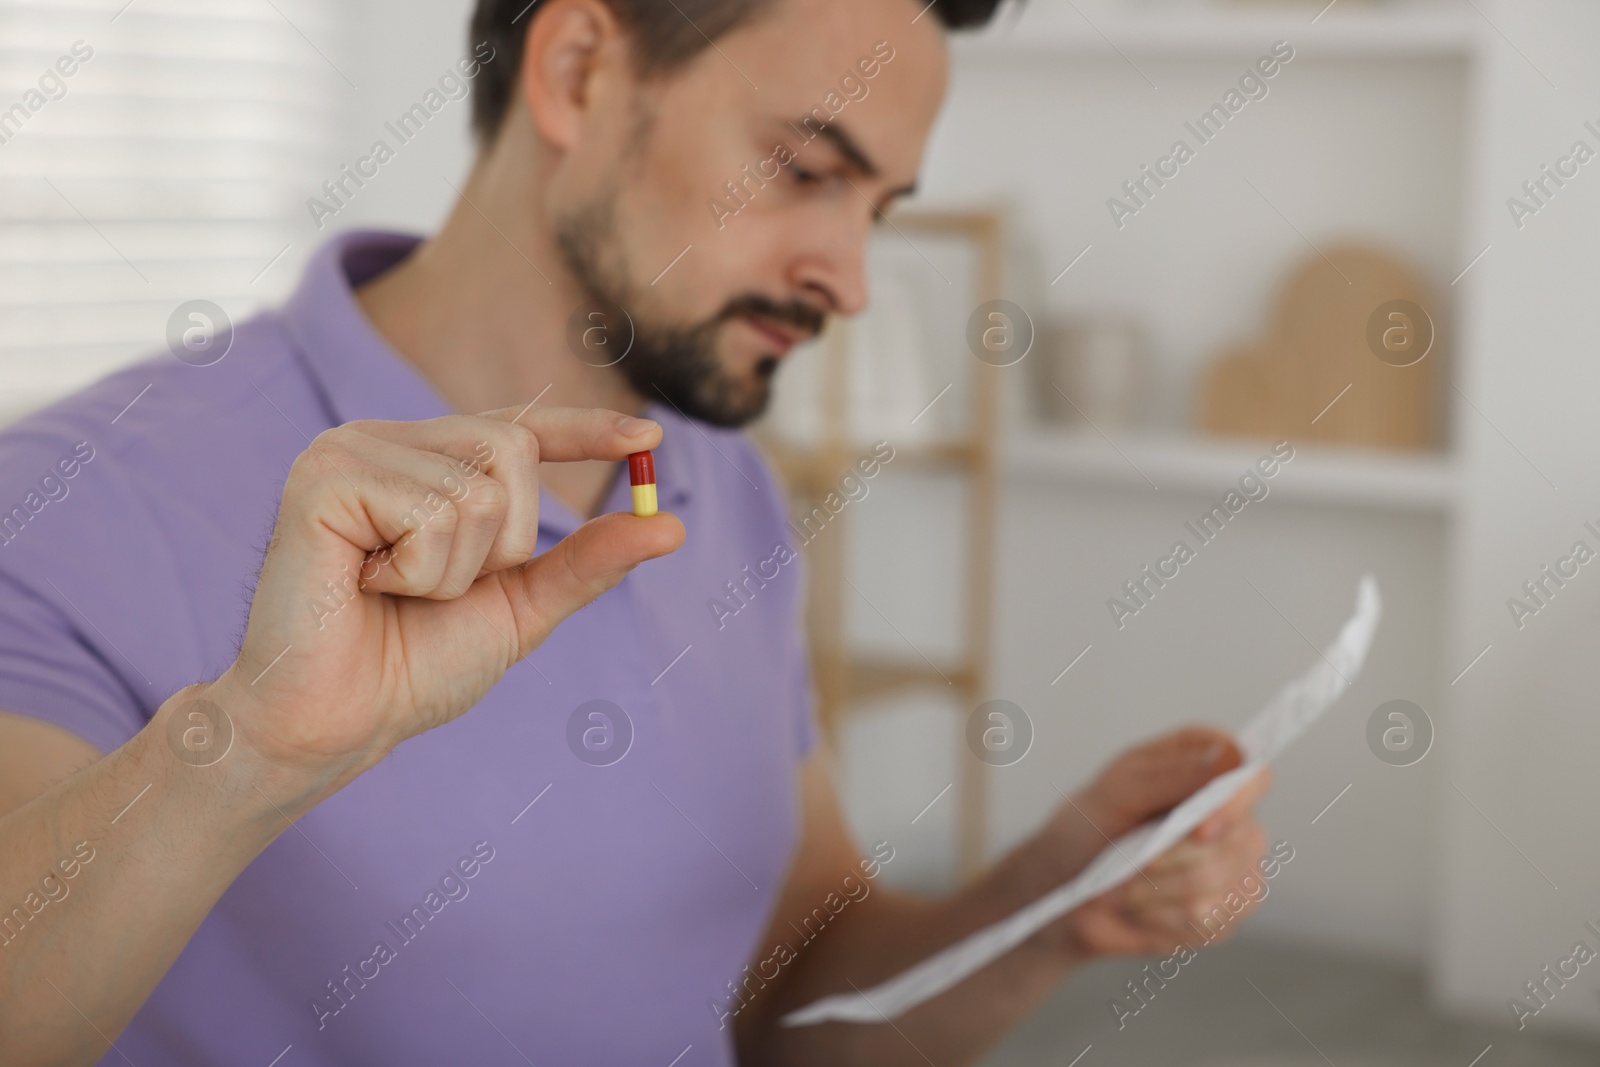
[[642, 476]]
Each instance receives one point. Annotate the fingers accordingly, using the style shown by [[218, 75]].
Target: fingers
[[1191, 881], [428, 521], [441, 543], [481, 450], [508, 445], [550, 435], [1191, 869], [1156, 776], [570, 434], [368, 495], [439, 503], [1193, 893], [586, 563]]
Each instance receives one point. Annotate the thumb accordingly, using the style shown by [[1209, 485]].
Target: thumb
[[587, 562]]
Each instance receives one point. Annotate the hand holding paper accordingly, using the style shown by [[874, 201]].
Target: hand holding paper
[[1284, 718]]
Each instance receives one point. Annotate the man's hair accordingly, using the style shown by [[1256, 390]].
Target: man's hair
[[664, 37]]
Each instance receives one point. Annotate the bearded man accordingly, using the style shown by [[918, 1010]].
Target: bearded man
[[382, 793]]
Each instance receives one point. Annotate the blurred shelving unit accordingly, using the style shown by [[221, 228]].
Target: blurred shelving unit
[[1365, 479], [1163, 42], [844, 675], [1395, 30]]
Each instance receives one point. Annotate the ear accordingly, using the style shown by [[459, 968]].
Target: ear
[[573, 49]]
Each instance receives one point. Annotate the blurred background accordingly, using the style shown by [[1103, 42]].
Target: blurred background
[[1381, 253]]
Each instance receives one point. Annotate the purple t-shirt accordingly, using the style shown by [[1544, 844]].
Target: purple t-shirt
[[500, 890]]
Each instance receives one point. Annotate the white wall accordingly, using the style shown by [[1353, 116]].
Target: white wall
[[402, 50], [1524, 738]]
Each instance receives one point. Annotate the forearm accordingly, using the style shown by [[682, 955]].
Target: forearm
[[883, 934], [106, 876], [889, 931]]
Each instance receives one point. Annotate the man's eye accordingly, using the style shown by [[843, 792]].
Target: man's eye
[[803, 176]]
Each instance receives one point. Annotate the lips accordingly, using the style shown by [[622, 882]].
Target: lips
[[781, 338]]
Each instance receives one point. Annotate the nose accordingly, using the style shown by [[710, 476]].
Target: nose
[[832, 266]]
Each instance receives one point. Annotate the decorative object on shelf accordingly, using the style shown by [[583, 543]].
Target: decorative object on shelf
[[1093, 369], [1352, 356], [814, 448]]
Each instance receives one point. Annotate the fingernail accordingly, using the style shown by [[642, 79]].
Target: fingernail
[[632, 427], [1213, 754]]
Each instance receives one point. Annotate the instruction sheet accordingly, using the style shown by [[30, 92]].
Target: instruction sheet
[[1285, 717]]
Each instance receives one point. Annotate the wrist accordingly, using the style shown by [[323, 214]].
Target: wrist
[[1073, 836], [158, 782], [1058, 852], [207, 736]]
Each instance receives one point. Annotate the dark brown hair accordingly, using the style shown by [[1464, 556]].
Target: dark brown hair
[[664, 36]]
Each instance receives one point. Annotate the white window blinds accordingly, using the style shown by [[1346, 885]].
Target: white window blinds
[[152, 153]]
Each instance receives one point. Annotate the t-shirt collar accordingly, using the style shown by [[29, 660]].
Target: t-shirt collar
[[362, 377]]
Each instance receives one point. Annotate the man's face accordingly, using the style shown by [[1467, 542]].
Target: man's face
[[727, 217]]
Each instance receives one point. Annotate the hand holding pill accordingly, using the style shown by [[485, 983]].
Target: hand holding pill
[[430, 606]]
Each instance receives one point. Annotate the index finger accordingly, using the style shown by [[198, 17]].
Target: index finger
[[567, 435]]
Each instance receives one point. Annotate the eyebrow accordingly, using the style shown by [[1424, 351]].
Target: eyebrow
[[852, 151]]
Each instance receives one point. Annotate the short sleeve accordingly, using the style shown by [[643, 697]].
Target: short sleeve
[[50, 671]]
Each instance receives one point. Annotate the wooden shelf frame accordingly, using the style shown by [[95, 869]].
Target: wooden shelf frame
[[842, 677]]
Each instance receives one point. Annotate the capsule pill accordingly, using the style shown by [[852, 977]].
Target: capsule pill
[[642, 476]]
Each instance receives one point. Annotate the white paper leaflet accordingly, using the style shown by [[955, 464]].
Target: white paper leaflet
[[1285, 717]]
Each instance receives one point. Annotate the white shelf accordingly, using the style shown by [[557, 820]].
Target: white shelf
[[1347, 477], [1348, 30]]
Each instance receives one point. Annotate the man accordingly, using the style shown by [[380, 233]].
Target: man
[[214, 847]]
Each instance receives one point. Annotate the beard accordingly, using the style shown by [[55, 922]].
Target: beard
[[676, 362]]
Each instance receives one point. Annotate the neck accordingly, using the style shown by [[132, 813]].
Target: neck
[[480, 311]]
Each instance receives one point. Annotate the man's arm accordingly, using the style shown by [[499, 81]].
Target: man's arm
[[881, 933], [107, 874], [428, 528], [34, 756]]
